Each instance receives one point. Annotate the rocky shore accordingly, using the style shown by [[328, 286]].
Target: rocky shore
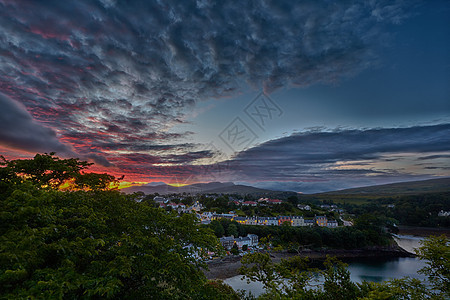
[[228, 266]]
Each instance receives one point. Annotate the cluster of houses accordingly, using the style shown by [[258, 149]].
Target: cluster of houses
[[298, 221], [260, 201], [180, 207], [251, 240]]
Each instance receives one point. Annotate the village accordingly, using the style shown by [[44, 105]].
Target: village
[[206, 217], [250, 242]]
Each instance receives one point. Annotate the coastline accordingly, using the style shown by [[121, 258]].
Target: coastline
[[423, 231], [228, 267]]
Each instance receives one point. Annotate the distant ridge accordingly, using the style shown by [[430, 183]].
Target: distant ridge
[[204, 188], [409, 187]]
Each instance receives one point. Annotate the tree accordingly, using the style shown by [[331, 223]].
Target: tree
[[337, 283], [286, 280], [234, 250], [436, 250], [49, 171], [95, 244], [292, 278], [232, 230], [217, 228]]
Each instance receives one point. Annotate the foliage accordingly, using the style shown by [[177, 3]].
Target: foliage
[[436, 250], [217, 289], [232, 230], [293, 279], [396, 289], [234, 250], [217, 227], [94, 244], [287, 280], [49, 171], [411, 210], [337, 285]]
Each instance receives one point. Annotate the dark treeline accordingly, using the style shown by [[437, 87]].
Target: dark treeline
[[412, 210], [368, 231]]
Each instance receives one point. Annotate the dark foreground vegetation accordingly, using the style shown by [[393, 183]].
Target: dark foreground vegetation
[[293, 279], [421, 209], [92, 242]]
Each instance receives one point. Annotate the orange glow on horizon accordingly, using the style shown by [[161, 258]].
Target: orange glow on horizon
[[177, 184], [126, 184]]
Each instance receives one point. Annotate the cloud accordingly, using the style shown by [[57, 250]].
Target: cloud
[[18, 130], [123, 71], [344, 158]]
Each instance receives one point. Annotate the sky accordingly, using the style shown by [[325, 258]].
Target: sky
[[307, 96]]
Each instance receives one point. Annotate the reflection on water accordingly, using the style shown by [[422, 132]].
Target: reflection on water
[[378, 270], [236, 282], [371, 278]]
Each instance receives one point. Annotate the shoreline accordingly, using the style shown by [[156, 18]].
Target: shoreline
[[422, 231], [228, 266]]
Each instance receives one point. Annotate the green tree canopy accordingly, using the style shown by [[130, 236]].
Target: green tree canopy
[[94, 243], [49, 171], [436, 250], [294, 279]]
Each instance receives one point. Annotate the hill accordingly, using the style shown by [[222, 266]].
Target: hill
[[207, 188], [364, 195], [401, 188], [356, 195]]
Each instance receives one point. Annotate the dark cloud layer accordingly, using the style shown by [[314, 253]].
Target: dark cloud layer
[[18, 130], [319, 161], [117, 72], [111, 80], [341, 157]]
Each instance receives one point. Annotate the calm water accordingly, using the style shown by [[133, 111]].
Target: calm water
[[369, 269]]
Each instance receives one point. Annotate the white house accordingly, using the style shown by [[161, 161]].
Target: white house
[[309, 223], [159, 199], [241, 241], [251, 240], [254, 239], [444, 213], [332, 224], [304, 207], [298, 221]]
